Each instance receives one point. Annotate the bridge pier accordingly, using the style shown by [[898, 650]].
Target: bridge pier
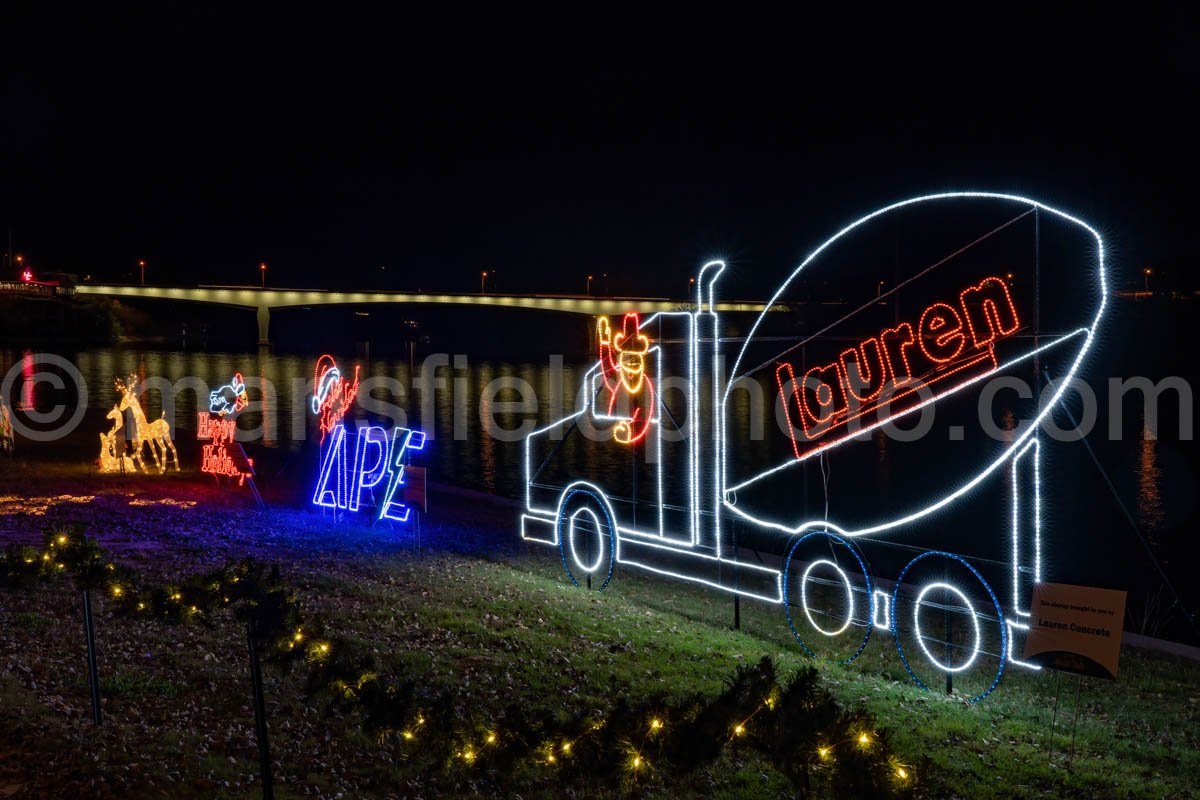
[[264, 325]]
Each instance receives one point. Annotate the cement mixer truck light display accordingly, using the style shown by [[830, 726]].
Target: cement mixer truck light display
[[675, 509]]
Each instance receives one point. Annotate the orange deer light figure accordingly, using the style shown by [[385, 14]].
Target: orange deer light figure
[[110, 459], [156, 435], [6, 430]]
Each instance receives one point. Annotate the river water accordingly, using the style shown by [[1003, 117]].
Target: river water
[[476, 411]]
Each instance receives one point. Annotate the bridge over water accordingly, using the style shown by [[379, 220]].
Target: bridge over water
[[263, 300]]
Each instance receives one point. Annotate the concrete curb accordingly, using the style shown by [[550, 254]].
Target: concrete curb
[[1161, 645]]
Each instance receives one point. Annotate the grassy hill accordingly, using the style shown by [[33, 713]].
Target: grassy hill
[[476, 613]]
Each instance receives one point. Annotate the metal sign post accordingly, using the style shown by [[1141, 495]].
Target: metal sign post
[[89, 630], [1054, 719], [260, 716]]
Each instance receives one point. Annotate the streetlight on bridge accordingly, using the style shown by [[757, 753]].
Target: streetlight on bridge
[[262, 269], [142, 267], [589, 286], [483, 276]]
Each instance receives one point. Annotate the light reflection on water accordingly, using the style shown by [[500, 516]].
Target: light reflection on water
[[463, 455], [1149, 478], [279, 387]]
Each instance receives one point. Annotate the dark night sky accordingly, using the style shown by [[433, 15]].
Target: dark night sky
[[551, 148]]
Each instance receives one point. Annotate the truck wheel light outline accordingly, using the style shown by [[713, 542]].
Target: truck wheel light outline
[[849, 597], [995, 602], [571, 536], [862, 565], [589, 490], [974, 620]]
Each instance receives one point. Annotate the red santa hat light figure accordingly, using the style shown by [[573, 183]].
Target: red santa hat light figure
[[332, 394]]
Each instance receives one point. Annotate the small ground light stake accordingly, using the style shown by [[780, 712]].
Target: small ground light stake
[[260, 717], [89, 630]]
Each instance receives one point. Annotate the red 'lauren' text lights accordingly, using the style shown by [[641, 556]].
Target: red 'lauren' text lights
[[949, 342]]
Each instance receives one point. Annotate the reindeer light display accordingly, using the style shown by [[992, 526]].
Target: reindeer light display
[[110, 459], [156, 434], [6, 430]]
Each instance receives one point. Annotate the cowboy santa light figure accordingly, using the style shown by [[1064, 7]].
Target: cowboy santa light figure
[[623, 366]]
